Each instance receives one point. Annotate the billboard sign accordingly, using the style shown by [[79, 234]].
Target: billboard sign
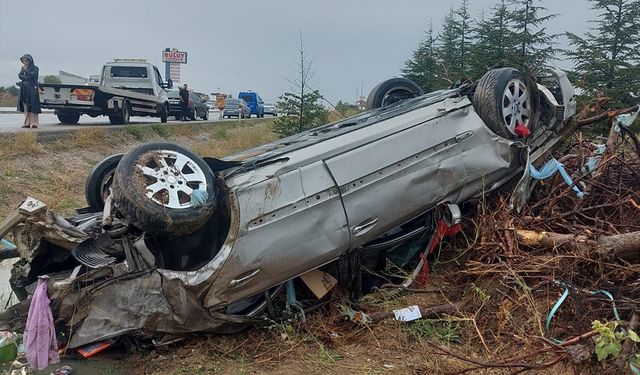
[[175, 57]]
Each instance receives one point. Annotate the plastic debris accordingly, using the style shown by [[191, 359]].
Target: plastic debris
[[522, 130], [626, 119], [199, 198], [6, 245], [355, 316], [549, 169], [8, 346], [94, 348], [64, 370], [407, 314]]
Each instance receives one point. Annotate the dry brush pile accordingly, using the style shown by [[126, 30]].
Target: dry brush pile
[[562, 277]]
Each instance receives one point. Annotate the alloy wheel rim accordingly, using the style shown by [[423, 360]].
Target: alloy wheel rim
[[516, 105], [170, 178]]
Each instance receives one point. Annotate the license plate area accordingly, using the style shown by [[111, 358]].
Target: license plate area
[[55, 101]]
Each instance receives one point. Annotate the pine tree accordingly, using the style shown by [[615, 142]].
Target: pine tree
[[494, 42], [607, 59], [463, 25], [535, 46], [447, 50], [302, 105], [455, 44], [423, 68]]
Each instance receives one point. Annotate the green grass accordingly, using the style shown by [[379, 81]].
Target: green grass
[[220, 133], [162, 130], [136, 131], [442, 330]]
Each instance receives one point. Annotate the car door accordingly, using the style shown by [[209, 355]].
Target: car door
[[290, 223], [195, 103], [409, 165]]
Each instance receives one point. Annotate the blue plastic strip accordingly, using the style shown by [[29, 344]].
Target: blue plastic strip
[[7, 245], [549, 169], [564, 296], [613, 302], [555, 308], [199, 198], [291, 299]]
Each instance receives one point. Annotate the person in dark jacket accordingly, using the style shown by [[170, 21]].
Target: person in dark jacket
[[29, 102], [184, 102]]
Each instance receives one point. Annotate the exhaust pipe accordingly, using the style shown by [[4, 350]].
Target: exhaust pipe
[[107, 220]]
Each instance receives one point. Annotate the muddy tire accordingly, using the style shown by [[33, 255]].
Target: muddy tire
[[392, 91], [100, 179], [153, 186], [123, 117], [69, 118], [164, 114], [503, 100]]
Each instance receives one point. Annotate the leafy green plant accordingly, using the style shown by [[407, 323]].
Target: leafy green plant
[[442, 330], [610, 338], [480, 292], [330, 354]]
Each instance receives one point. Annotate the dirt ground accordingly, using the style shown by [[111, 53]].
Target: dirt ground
[[505, 293]]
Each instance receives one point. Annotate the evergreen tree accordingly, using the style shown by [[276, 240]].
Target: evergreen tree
[[304, 112], [423, 68], [302, 105], [607, 59], [447, 50], [463, 25], [535, 46], [455, 44], [494, 42]]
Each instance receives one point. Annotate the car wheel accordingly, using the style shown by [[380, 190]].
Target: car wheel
[[164, 115], [123, 117], [126, 113], [503, 101], [96, 187], [69, 118], [153, 187], [194, 114], [392, 91]]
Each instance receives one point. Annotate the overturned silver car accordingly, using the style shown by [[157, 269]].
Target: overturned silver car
[[174, 243]]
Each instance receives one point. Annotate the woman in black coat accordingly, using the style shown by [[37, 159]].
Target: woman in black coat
[[29, 102]]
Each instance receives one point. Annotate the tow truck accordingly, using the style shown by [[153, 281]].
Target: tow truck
[[126, 87]]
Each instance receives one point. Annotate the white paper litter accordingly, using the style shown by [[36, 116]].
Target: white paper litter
[[407, 314]]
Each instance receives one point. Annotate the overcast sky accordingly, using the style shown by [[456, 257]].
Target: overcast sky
[[238, 45]]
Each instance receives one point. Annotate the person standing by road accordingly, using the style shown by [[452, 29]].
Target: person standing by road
[[29, 102], [220, 104], [184, 102]]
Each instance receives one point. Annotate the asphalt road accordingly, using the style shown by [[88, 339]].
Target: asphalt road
[[11, 121]]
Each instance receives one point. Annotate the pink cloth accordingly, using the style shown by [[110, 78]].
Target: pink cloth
[[40, 342]]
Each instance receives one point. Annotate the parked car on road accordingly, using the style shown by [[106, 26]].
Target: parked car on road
[[255, 102], [182, 243], [270, 109], [236, 108], [197, 106]]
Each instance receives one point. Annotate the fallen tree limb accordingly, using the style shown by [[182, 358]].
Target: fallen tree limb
[[625, 246]]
